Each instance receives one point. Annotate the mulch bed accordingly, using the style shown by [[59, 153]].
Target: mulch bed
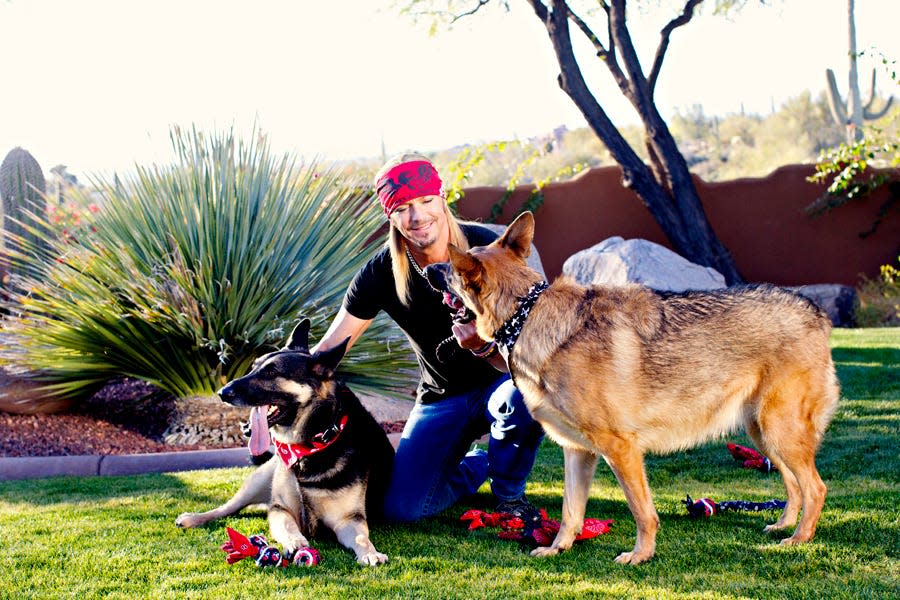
[[125, 417]]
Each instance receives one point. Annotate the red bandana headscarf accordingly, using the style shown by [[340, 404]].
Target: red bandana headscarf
[[407, 181]]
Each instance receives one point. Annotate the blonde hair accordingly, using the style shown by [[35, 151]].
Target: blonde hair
[[397, 244]]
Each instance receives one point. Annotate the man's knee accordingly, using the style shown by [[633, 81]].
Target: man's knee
[[510, 415], [400, 510]]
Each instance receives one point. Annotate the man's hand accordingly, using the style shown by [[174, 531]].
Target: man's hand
[[467, 336]]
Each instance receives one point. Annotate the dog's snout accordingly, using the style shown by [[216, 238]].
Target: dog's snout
[[227, 394], [438, 275]]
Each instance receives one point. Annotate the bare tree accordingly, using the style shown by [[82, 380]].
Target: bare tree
[[665, 185]]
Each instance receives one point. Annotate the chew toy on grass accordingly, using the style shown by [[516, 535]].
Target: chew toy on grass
[[705, 507], [533, 534], [238, 547], [750, 458]]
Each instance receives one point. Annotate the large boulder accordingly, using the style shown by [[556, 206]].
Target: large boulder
[[616, 261], [838, 301]]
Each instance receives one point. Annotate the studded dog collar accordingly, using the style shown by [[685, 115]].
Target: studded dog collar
[[508, 333], [291, 454]]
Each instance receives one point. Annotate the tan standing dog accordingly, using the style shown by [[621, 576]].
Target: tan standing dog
[[619, 371]]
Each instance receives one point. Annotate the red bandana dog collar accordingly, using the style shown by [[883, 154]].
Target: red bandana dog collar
[[407, 181], [291, 454]]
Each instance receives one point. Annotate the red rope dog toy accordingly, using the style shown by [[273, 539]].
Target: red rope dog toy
[[532, 534], [238, 547], [750, 458]]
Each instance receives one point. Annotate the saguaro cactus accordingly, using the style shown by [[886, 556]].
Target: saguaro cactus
[[22, 187], [853, 113]]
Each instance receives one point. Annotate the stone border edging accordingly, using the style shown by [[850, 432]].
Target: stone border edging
[[38, 467]]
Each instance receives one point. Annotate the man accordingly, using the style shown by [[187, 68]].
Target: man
[[465, 392]]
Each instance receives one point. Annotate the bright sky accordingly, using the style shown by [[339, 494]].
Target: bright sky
[[97, 84]]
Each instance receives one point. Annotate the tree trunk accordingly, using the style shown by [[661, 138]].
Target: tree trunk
[[669, 194]]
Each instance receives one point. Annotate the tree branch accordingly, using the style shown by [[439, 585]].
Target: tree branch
[[475, 9], [608, 56], [635, 88], [540, 9], [635, 173], [609, 35], [595, 41], [683, 19]]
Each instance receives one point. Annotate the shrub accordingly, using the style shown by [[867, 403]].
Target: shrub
[[197, 268], [879, 299], [72, 220]]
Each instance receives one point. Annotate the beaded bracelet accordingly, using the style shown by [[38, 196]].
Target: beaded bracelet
[[485, 351]]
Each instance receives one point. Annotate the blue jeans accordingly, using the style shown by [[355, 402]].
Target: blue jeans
[[434, 467]]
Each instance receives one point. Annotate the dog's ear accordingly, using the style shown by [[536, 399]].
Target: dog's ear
[[518, 235], [299, 338], [468, 267], [325, 363]]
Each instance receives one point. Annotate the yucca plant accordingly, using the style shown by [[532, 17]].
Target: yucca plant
[[198, 267]]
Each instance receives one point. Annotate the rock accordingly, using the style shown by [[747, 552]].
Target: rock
[[205, 420], [386, 409], [616, 261], [21, 394], [838, 301]]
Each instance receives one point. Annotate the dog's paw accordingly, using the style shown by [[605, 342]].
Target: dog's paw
[[633, 558], [294, 544], [795, 539], [188, 520], [371, 559], [542, 551]]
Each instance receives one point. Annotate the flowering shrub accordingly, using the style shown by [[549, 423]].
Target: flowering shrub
[[879, 299], [72, 221]]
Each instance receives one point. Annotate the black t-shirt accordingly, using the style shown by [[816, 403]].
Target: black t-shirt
[[426, 322]]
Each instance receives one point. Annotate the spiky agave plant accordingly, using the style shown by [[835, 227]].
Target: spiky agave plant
[[198, 267]]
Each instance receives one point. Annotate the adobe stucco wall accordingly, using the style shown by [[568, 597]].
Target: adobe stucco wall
[[760, 220]]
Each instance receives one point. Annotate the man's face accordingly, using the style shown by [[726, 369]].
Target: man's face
[[422, 221]]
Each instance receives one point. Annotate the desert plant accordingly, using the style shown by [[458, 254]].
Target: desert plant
[[852, 113], [22, 187], [198, 267]]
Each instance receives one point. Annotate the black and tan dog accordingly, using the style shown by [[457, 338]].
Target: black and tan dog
[[621, 371], [333, 460]]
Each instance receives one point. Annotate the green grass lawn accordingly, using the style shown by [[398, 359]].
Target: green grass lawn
[[115, 537]]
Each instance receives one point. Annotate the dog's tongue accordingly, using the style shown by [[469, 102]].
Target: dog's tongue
[[452, 301], [259, 430]]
